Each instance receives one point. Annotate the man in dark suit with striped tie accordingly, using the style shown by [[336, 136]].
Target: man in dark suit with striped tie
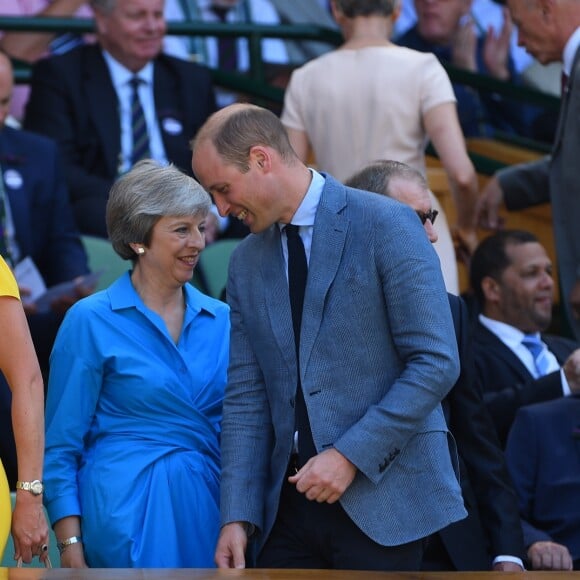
[[110, 104], [511, 276]]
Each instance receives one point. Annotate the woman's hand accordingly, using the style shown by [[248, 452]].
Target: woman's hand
[[29, 528]]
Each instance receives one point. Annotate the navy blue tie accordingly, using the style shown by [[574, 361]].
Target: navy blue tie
[[138, 124], [297, 274]]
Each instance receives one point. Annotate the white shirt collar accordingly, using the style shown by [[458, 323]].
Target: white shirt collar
[[121, 75], [306, 212], [508, 334]]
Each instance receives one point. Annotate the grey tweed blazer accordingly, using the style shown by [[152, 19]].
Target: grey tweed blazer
[[377, 355]]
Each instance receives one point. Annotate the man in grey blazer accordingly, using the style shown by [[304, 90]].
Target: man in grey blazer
[[368, 473], [550, 31]]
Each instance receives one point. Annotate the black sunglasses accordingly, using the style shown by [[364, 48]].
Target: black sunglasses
[[430, 215]]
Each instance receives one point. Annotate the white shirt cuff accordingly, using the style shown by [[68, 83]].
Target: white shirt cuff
[[565, 387], [511, 559]]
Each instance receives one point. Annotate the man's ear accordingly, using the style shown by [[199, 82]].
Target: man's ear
[[491, 290], [260, 156], [547, 7]]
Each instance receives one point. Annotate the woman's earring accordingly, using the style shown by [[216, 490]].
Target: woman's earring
[[140, 250]]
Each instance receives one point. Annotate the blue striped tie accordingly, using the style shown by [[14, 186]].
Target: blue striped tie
[[138, 125], [536, 347]]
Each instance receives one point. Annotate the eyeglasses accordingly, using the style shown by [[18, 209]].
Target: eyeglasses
[[430, 215]]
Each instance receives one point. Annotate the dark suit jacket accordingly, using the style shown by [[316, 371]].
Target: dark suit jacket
[[505, 381], [43, 221], [543, 456], [45, 231], [492, 527], [73, 100]]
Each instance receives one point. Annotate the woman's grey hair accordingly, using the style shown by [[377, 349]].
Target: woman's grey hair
[[145, 194]]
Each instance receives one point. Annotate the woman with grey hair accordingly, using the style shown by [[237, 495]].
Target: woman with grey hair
[[135, 392]]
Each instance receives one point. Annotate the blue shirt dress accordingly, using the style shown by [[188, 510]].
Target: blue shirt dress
[[133, 423]]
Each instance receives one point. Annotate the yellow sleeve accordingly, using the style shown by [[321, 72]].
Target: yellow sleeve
[[8, 285]]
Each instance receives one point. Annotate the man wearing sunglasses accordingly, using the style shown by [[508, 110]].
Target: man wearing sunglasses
[[491, 536]]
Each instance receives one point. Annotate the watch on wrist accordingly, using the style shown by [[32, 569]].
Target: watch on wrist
[[68, 542], [34, 487]]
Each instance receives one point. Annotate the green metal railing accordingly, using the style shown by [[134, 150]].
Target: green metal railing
[[255, 83]]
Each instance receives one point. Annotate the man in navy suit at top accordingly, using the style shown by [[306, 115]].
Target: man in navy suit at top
[[83, 99], [38, 223]]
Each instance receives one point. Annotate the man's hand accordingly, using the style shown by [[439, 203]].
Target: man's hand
[[231, 546], [488, 205], [575, 300], [572, 371], [325, 477], [81, 290], [496, 49], [464, 241], [549, 556]]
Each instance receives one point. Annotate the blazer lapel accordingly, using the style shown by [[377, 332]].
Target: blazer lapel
[[103, 107], [565, 103], [492, 343], [276, 297], [330, 230]]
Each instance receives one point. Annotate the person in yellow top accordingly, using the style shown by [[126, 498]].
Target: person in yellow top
[[20, 366]]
